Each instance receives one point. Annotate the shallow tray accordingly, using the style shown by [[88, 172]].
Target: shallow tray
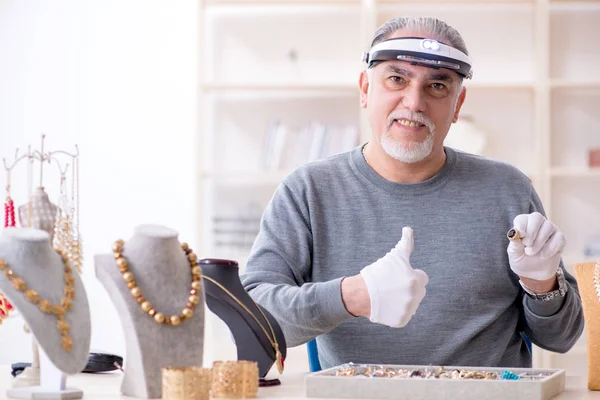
[[533, 384]]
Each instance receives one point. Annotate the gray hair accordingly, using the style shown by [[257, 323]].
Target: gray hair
[[430, 25]]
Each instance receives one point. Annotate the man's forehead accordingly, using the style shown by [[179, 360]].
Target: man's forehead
[[416, 71]]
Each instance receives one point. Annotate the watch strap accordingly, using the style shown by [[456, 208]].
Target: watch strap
[[549, 296]]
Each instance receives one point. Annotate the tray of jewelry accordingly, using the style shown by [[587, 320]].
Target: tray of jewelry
[[370, 381]]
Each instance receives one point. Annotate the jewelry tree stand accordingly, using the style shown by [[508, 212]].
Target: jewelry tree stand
[[257, 334], [40, 213], [588, 280]]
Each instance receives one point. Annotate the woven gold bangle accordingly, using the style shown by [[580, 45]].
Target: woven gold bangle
[[234, 379], [186, 383]]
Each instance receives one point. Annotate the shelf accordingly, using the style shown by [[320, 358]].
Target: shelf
[[280, 2], [575, 6], [499, 85], [317, 89], [575, 172], [469, 2], [243, 178], [459, 6], [248, 9], [565, 84]]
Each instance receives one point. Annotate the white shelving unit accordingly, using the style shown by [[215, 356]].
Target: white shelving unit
[[535, 93]]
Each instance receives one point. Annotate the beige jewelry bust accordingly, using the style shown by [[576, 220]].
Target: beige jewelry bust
[[29, 253], [41, 211], [162, 272], [591, 313]]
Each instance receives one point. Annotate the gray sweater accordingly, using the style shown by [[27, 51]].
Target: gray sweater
[[330, 218]]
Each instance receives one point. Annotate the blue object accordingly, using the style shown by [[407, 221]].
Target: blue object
[[527, 342], [313, 356], [510, 376], [313, 353]]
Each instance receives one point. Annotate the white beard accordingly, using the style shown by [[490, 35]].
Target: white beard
[[410, 153]]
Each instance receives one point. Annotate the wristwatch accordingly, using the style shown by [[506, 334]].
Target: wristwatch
[[560, 292]]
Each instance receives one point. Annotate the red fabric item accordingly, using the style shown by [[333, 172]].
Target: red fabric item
[[9, 213]]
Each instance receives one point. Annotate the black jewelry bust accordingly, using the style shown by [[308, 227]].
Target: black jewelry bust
[[251, 342]]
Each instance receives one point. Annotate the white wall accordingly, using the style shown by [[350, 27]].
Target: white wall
[[117, 77]]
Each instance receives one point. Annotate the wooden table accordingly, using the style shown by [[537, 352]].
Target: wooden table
[[106, 387]]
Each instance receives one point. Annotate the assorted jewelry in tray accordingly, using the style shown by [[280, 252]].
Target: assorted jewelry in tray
[[382, 371]]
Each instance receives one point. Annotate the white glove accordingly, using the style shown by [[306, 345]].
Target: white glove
[[395, 289], [537, 254]]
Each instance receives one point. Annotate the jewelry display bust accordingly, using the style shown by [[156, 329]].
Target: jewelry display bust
[[254, 342], [590, 298], [160, 268], [27, 253]]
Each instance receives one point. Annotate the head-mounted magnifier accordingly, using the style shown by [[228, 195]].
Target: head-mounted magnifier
[[420, 51]]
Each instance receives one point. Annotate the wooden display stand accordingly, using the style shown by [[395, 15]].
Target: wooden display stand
[[591, 312]]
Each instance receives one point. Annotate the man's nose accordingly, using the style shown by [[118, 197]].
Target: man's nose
[[414, 99]]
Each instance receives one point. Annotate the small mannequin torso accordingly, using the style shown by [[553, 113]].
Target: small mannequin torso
[[163, 273], [41, 212], [251, 341], [591, 312], [28, 252]]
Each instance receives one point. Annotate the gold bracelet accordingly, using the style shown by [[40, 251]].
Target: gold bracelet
[[186, 383], [234, 379]]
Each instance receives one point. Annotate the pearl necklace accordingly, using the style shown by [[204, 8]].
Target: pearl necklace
[[193, 300], [59, 310]]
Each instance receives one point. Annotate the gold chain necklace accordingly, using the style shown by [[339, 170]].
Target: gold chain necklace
[[597, 279], [273, 340], [193, 300], [59, 310]]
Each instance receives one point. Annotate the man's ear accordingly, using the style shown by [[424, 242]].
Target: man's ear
[[363, 84], [459, 103]]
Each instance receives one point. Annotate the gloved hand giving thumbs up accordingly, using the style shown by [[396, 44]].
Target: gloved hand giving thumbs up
[[395, 288]]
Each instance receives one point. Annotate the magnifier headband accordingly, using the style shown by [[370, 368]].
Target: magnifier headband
[[420, 51]]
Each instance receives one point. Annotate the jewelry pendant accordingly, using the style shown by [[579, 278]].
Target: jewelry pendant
[[279, 361]]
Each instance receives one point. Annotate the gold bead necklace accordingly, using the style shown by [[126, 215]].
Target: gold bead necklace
[[193, 300], [271, 338], [59, 310]]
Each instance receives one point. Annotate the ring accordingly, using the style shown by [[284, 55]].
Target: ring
[[513, 234]]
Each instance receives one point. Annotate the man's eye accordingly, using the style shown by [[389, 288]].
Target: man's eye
[[438, 86], [397, 79]]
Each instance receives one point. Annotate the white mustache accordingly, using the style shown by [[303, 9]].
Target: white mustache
[[412, 116]]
